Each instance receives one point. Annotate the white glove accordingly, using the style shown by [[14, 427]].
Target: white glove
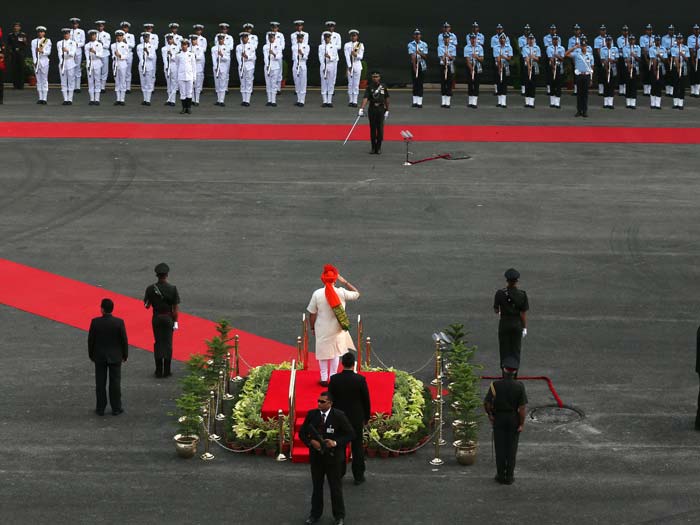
[[386, 115], [361, 113], [524, 332], [175, 326]]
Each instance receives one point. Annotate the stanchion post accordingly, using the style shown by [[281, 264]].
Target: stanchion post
[[207, 456], [440, 404], [236, 363], [220, 391], [280, 420], [305, 340], [438, 364], [359, 342], [299, 349], [213, 436], [228, 374], [436, 460], [368, 352]]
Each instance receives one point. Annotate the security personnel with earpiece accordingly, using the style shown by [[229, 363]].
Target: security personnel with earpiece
[[377, 96], [511, 304], [165, 300]]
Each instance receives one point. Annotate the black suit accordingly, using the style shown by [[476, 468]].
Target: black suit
[[351, 395], [697, 369], [107, 348], [326, 462]]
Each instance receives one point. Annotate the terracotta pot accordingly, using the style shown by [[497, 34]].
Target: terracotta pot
[[363, 84], [465, 453], [394, 454], [186, 446], [371, 452], [259, 451], [383, 453], [32, 80]]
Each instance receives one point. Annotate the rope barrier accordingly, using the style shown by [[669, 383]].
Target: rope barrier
[[230, 449], [414, 372], [406, 451]]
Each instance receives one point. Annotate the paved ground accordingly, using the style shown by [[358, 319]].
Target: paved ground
[[604, 236]]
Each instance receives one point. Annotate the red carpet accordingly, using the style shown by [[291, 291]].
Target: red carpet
[[75, 303], [381, 391], [323, 132]]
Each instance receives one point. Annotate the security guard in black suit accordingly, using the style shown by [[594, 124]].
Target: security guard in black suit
[[108, 348], [511, 304], [351, 395], [17, 43], [165, 300], [377, 96], [326, 431], [697, 369], [505, 403]]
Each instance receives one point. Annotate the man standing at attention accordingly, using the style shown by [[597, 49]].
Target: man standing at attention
[[511, 305], [329, 322], [165, 300], [108, 348]]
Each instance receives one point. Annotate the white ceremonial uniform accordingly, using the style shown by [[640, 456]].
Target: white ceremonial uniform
[[273, 70], [329, 70], [300, 55], [130, 39], [153, 39], [168, 52], [93, 68], [78, 36], [202, 42], [253, 40], [331, 340], [221, 62], [66, 50], [279, 40], [106, 40], [354, 64], [246, 69], [147, 54], [177, 39], [293, 38], [228, 41], [120, 54], [200, 55], [335, 40], [41, 66], [186, 64]]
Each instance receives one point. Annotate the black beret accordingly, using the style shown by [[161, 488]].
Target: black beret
[[512, 274], [162, 268], [510, 362]]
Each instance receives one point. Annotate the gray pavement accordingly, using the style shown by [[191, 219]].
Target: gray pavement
[[604, 236]]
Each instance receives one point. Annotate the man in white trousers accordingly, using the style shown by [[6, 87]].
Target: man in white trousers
[[120, 61], [329, 322], [93, 67], [78, 36], [199, 50], [66, 50], [186, 64], [168, 52], [130, 39], [106, 40], [328, 57], [221, 62], [41, 52], [245, 55], [354, 53], [300, 56], [272, 51], [147, 54]]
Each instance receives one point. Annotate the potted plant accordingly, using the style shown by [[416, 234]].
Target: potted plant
[[189, 425], [29, 72], [363, 76], [464, 380]]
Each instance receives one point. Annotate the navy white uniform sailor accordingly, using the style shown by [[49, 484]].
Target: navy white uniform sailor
[[354, 51], [502, 54], [221, 63], [300, 56], [335, 36], [199, 51], [78, 36], [148, 28], [168, 52], [446, 52], [679, 56], [694, 72], [555, 71], [418, 52], [93, 67], [252, 37], [130, 39], [66, 49], [41, 53], [186, 64], [245, 56], [609, 55], [658, 56], [299, 28], [147, 54], [632, 54], [106, 40], [198, 29], [531, 57], [281, 44], [228, 39], [174, 28], [328, 57], [474, 57], [272, 51], [120, 54], [622, 42]]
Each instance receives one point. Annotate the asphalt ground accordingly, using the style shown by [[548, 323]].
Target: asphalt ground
[[603, 234]]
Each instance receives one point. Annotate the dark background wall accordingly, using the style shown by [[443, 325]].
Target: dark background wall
[[385, 27]]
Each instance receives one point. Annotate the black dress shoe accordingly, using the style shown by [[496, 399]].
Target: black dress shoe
[[38, 101], [330, 105], [76, 90], [414, 105], [340, 521], [117, 412], [103, 91], [585, 115], [324, 383], [100, 412], [195, 104], [128, 92], [359, 481], [274, 104], [311, 519], [117, 103]]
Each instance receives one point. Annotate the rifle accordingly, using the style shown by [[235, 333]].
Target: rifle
[[697, 40], [39, 52], [319, 438], [114, 61], [353, 57], [167, 63], [269, 59], [680, 61], [473, 62], [144, 57], [299, 55], [415, 57], [608, 63], [89, 62], [444, 59], [63, 57], [554, 67], [325, 61], [631, 66], [218, 62], [529, 64], [500, 64]]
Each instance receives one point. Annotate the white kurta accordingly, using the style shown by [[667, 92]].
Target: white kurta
[[331, 340]]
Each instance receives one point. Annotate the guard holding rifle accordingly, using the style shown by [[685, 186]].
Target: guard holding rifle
[[474, 55], [657, 57], [694, 47], [632, 54], [608, 59], [583, 71], [679, 56], [446, 53], [502, 55], [165, 300], [555, 71], [531, 57], [418, 51], [377, 96]]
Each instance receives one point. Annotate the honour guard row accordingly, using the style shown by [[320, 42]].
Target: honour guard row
[[663, 64], [183, 61]]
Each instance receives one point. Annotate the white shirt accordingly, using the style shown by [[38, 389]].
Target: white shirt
[[300, 52], [78, 36], [106, 40], [168, 53], [272, 55], [149, 51], [228, 40], [199, 54], [356, 62], [131, 40], [202, 41], [329, 49], [335, 40], [224, 57], [293, 37], [66, 50], [331, 340], [248, 62], [186, 66], [92, 59], [279, 40], [153, 39], [123, 49]]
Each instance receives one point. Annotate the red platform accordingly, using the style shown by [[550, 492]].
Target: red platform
[[381, 392]]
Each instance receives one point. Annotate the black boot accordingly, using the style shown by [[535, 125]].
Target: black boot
[[188, 106], [159, 367], [166, 367], [184, 106], [379, 148]]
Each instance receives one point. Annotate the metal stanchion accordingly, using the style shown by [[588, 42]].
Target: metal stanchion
[[299, 349], [227, 385], [236, 364], [359, 342], [368, 352], [438, 416], [436, 460], [220, 391], [207, 456], [305, 341], [438, 364], [280, 419], [213, 436], [440, 404]]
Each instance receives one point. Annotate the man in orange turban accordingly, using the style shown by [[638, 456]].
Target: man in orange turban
[[329, 322]]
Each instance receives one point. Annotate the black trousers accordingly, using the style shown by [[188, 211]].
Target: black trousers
[[657, 85], [505, 437], [608, 87], [694, 73], [358, 455], [473, 85], [582, 82], [17, 69], [678, 85], [622, 72], [114, 371], [631, 89], [510, 340], [554, 83], [446, 83], [325, 466], [2, 85], [645, 73], [530, 83], [376, 126], [163, 335], [501, 83], [417, 81], [697, 416]]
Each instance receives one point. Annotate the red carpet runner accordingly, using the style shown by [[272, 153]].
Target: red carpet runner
[[75, 303], [334, 132], [381, 391]]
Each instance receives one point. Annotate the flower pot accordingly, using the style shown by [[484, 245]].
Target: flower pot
[[186, 446], [363, 84], [465, 453], [371, 452], [32, 80], [394, 454], [383, 453], [259, 451], [285, 448]]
